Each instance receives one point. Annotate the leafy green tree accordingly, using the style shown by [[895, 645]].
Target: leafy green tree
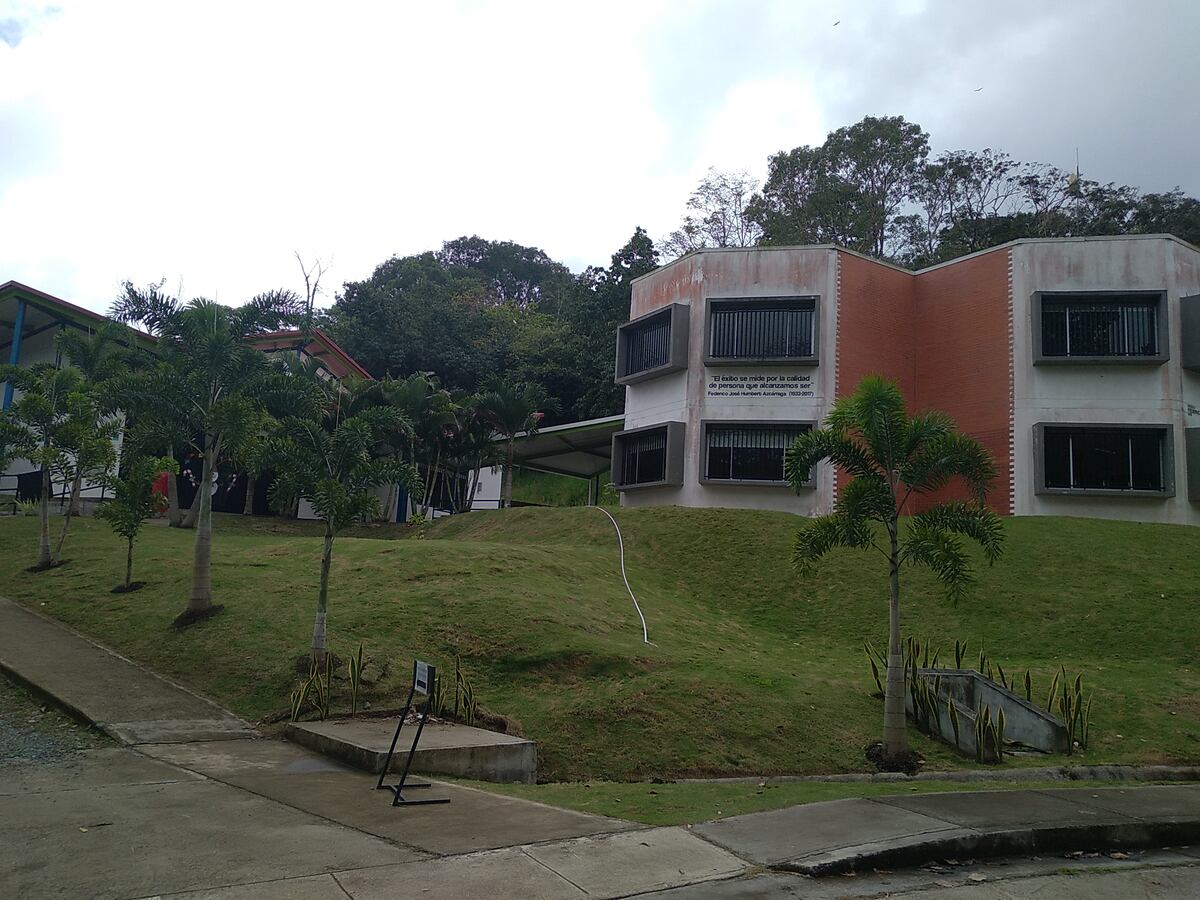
[[416, 315], [601, 305], [207, 360], [511, 273], [891, 456], [132, 503], [848, 191], [336, 470], [512, 409]]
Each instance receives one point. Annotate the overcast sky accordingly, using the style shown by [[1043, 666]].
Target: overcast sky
[[204, 143]]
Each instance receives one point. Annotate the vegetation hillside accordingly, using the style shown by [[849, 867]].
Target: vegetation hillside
[[750, 670]]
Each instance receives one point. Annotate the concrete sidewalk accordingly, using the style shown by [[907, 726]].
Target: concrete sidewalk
[[103, 688]]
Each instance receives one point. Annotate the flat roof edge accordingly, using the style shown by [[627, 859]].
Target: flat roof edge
[[890, 265]]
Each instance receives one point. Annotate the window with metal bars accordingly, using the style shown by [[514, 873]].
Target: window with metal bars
[[647, 344], [773, 329], [644, 457], [1100, 325], [748, 451], [1108, 459]]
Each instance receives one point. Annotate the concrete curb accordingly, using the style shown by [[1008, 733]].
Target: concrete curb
[[916, 850], [1044, 773]]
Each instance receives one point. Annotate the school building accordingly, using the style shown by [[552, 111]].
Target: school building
[[1075, 361]]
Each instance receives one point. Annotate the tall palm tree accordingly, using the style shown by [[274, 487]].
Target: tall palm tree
[[891, 456], [513, 408], [207, 358]]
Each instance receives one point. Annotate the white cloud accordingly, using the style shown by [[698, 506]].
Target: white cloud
[[147, 139]]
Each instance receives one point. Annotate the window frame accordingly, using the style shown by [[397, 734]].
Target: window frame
[[1189, 332], [813, 359], [677, 357], [1041, 359], [809, 483], [1191, 453], [1166, 431], [672, 464]]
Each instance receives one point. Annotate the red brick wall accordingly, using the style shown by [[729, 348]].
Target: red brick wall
[[875, 326], [961, 333]]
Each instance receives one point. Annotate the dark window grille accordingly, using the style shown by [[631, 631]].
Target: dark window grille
[[748, 452], [1104, 459], [644, 457], [1124, 325], [647, 344], [780, 329]]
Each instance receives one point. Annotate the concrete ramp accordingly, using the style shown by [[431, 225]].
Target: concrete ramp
[[445, 749]]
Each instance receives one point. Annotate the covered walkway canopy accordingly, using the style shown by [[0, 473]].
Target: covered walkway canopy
[[577, 449]]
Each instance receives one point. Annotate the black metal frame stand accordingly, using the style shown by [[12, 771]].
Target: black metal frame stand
[[398, 789]]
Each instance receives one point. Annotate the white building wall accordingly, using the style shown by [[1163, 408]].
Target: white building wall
[[1117, 393], [727, 393]]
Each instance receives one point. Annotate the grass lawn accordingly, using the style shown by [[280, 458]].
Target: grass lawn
[[680, 804], [751, 671]]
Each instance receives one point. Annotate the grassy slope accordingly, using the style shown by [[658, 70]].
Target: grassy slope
[[751, 672]]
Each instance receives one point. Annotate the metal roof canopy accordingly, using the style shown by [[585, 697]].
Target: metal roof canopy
[[577, 449]]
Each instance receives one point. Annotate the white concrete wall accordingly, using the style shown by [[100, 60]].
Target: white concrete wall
[[1119, 393], [685, 396], [487, 490]]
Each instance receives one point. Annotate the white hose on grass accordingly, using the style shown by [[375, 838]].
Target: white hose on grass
[[624, 577]]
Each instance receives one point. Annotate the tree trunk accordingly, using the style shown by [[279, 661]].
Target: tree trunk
[[174, 516], [431, 486], [472, 486], [248, 509], [895, 734], [318, 635], [129, 564], [200, 600], [76, 490], [507, 480], [44, 538], [204, 490], [76, 484]]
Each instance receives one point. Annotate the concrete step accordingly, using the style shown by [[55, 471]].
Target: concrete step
[[444, 749]]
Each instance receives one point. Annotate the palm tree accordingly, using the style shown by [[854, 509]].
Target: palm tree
[[890, 456], [429, 410], [46, 425], [98, 358], [512, 409], [208, 359], [334, 465]]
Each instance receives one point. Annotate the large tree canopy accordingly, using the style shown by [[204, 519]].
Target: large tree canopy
[[479, 310]]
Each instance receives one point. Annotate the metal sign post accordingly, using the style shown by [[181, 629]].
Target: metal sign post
[[424, 682]]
